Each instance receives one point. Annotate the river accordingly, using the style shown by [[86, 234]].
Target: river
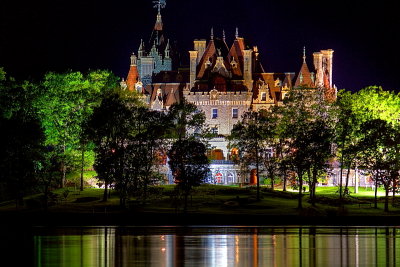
[[216, 246]]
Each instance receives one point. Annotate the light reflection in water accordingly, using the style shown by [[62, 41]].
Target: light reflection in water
[[219, 247]]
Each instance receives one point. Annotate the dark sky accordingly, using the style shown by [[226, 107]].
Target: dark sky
[[57, 35]]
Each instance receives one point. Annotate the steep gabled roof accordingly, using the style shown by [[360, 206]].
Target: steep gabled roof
[[236, 52], [304, 77]]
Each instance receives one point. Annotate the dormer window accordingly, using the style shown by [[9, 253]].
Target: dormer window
[[263, 96], [159, 95], [208, 63], [233, 63]]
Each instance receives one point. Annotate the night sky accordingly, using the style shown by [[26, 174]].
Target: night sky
[[58, 35]]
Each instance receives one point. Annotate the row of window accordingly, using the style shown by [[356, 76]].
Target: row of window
[[214, 113]]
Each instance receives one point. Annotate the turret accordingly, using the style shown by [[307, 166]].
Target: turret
[[133, 60], [167, 50], [323, 65], [141, 51], [318, 68]]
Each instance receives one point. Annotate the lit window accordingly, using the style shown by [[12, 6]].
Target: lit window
[[214, 113], [214, 130], [235, 113], [264, 96]]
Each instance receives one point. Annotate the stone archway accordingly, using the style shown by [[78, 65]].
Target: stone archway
[[219, 178]]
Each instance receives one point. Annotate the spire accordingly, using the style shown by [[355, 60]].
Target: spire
[[237, 33], [212, 33], [305, 77], [167, 50], [141, 49], [159, 4], [223, 35]]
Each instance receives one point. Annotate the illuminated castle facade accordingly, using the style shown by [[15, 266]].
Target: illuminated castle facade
[[222, 80]]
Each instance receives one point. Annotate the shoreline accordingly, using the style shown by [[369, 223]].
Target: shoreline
[[60, 219]]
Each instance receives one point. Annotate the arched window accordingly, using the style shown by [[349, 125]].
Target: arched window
[[219, 179]]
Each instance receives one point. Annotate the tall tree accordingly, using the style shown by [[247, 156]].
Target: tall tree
[[380, 154], [66, 102], [187, 155], [109, 129], [22, 138], [307, 133], [253, 136], [189, 165]]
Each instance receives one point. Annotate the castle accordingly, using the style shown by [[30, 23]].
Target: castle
[[223, 81]]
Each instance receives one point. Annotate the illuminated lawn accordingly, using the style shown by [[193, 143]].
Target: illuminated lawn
[[213, 199]]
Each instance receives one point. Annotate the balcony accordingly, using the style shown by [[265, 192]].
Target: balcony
[[222, 162]]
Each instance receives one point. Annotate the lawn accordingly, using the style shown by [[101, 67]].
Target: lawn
[[213, 199]]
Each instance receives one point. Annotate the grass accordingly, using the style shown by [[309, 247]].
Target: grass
[[214, 199]]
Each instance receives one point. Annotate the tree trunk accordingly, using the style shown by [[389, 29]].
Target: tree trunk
[[272, 182], [284, 180], [64, 168], [309, 183], [300, 204], [376, 192], [394, 189], [82, 164], [387, 197], [105, 195], [356, 180], [346, 187], [340, 182], [314, 187]]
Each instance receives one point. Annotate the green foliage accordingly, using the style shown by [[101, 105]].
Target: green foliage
[[22, 138], [254, 136], [308, 133], [66, 102], [188, 121], [130, 142], [187, 155], [189, 164]]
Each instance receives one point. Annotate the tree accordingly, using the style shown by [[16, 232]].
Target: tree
[[187, 155], [189, 165], [380, 148], [129, 140], [109, 129], [22, 138], [65, 103], [307, 131], [253, 137]]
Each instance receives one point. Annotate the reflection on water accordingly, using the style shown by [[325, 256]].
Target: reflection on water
[[219, 247]]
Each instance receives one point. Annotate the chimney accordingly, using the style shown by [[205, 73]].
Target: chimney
[[193, 66], [200, 46]]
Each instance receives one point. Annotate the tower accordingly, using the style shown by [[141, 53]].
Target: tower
[[159, 56], [323, 65]]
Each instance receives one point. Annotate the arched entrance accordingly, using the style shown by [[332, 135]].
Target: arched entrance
[[230, 178], [219, 178], [253, 177]]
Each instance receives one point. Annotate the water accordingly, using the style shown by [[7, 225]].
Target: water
[[216, 246]]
